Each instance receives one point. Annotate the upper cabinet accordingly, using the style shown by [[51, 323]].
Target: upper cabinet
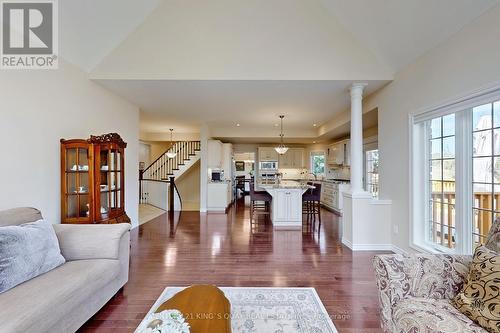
[[267, 154], [292, 159], [339, 153], [214, 154], [227, 160]]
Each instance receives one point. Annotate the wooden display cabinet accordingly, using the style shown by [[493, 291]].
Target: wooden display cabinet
[[92, 180]]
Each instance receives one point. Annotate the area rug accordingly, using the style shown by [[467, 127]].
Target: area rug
[[269, 310]]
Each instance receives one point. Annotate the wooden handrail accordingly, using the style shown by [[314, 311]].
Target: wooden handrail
[[163, 166]]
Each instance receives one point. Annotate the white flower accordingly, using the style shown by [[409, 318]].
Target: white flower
[[168, 321]]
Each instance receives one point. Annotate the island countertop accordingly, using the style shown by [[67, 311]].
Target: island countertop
[[287, 185]]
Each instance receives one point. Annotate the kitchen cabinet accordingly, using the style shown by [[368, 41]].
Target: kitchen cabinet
[[219, 196], [287, 206], [339, 153], [227, 160], [267, 154], [331, 195], [292, 159], [214, 154]]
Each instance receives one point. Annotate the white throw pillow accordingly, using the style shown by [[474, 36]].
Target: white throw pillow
[[26, 251]]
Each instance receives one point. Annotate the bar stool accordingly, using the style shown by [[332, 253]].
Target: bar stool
[[311, 202], [260, 202], [240, 185]]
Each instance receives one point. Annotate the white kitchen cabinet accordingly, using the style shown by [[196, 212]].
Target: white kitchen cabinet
[[285, 207], [292, 159], [214, 154], [267, 154], [227, 160], [331, 195], [219, 196], [298, 158], [339, 153]]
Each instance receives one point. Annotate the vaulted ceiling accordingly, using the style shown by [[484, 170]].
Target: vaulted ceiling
[[221, 62]]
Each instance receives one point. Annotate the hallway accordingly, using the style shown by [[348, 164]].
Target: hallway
[[227, 250]]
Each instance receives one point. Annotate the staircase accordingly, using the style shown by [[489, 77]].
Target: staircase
[[157, 181]]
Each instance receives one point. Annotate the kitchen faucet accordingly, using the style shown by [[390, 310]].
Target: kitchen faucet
[[315, 176]]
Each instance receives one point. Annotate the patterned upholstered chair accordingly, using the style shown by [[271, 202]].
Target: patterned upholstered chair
[[415, 291]]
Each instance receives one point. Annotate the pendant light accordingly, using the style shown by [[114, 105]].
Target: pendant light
[[281, 148], [171, 153]]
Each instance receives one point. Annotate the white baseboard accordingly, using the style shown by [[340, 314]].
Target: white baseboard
[[397, 250], [372, 247], [347, 243]]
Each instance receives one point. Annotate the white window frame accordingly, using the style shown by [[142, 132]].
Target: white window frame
[[462, 107]]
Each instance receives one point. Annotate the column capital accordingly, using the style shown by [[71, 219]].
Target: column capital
[[357, 89]]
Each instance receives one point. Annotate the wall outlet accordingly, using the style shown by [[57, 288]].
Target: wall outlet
[[395, 229]]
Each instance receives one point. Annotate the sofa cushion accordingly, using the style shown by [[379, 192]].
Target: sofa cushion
[[416, 314], [38, 304], [493, 238], [26, 251], [480, 297], [16, 216]]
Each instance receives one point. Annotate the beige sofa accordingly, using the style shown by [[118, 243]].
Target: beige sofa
[[62, 300]]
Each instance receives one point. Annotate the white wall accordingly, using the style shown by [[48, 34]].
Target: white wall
[[467, 61], [234, 40], [37, 109]]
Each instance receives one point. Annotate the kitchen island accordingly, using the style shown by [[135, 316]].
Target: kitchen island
[[287, 203]]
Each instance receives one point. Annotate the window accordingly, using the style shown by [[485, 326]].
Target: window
[[441, 159], [486, 168], [456, 175], [371, 177], [318, 163]]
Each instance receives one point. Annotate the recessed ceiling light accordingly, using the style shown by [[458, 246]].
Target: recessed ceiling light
[[276, 125], [315, 124], [238, 125]]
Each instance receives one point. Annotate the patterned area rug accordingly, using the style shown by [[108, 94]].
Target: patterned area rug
[[271, 310]]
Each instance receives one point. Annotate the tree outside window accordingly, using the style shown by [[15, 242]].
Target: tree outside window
[[318, 163]]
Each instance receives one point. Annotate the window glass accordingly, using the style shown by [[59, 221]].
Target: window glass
[[372, 177], [485, 169], [441, 180]]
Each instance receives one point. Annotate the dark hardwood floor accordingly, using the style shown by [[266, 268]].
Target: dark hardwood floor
[[226, 250]]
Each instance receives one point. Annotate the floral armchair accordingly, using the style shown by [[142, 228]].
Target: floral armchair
[[415, 291]]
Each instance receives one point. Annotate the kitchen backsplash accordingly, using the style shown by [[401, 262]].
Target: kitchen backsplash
[[343, 173]]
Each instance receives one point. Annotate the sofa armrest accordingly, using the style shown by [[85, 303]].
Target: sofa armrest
[[90, 241], [422, 275]]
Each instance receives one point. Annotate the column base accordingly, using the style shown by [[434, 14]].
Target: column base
[[366, 222]]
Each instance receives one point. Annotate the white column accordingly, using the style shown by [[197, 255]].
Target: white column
[[357, 138]]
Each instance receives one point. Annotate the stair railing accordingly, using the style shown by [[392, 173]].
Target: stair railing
[[162, 170]]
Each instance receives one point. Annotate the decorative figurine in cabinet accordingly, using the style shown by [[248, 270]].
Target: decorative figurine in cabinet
[[92, 180]]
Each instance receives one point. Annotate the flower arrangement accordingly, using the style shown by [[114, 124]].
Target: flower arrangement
[[168, 321]]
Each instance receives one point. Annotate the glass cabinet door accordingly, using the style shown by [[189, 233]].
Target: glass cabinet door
[[110, 180], [77, 183]]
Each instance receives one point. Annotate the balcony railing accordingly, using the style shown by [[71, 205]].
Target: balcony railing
[[443, 226]]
